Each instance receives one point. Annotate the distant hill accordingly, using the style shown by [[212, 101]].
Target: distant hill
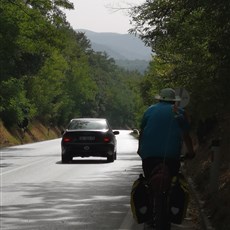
[[121, 47]]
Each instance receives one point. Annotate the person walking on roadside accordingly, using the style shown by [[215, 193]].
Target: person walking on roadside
[[163, 129]]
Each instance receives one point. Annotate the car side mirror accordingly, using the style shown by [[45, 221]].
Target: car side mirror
[[116, 132]]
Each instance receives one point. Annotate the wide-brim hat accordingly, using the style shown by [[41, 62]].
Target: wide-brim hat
[[167, 94]]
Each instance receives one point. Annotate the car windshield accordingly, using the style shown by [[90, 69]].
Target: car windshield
[[88, 124]]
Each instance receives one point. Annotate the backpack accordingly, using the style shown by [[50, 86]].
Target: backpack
[[139, 200], [179, 198]]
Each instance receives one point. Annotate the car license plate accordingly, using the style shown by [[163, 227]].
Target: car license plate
[[87, 138]]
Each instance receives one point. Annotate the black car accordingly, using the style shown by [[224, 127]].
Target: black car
[[85, 137]]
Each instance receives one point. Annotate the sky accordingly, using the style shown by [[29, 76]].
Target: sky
[[100, 15]]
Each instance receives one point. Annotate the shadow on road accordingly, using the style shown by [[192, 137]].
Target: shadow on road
[[99, 202], [84, 162]]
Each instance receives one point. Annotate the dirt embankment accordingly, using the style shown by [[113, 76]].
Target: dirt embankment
[[35, 132], [210, 171]]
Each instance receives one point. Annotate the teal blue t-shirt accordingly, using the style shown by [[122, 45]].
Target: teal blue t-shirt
[[161, 131]]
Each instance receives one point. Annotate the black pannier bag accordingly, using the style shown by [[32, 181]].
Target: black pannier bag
[[179, 198], [140, 200]]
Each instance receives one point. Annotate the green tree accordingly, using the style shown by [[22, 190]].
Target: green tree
[[58, 74], [46, 89], [14, 104], [31, 37], [116, 97], [28, 30], [184, 36]]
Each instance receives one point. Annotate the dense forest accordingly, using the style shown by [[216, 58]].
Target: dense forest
[[50, 73], [138, 65], [191, 42]]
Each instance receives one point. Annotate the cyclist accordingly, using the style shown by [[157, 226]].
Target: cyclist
[[163, 129]]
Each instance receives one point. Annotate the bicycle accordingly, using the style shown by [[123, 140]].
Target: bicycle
[[159, 185], [160, 190]]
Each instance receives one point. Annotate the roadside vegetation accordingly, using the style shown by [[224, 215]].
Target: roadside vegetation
[[49, 74]]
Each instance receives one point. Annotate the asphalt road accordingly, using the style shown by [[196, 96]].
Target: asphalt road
[[38, 192]]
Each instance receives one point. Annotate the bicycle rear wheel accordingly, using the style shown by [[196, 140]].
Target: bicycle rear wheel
[[161, 212]]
